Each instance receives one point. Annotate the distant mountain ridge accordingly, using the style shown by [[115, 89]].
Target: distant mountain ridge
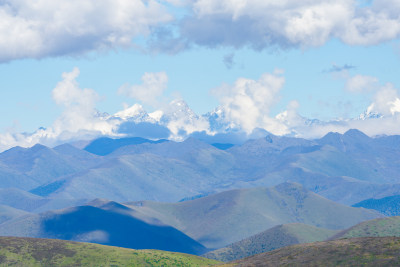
[[346, 168], [273, 238], [218, 220], [389, 206]]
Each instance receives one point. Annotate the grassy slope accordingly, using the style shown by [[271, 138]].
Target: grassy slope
[[274, 238], [221, 219], [367, 251], [48, 252], [379, 227]]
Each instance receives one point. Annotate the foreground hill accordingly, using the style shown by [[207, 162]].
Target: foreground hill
[[379, 227], [47, 252], [221, 219], [274, 238], [389, 206], [366, 251], [107, 223]]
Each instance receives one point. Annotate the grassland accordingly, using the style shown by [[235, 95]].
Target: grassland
[[273, 238], [366, 251], [15, 251], [389, 226]]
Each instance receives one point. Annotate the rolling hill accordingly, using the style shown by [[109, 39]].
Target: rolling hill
[[103, 222], [224, 218], [274, 238], [381, 227], [365, 251], [47, 252]]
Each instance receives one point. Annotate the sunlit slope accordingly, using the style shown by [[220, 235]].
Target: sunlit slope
[[47, 252], [274, 238], [389, 226], [365, 251]]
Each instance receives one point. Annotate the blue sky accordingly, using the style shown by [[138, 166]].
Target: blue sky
[[335, 59]]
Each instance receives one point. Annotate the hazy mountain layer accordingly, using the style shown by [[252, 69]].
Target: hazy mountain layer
[[221, 219], [346, 168], [389, 206]]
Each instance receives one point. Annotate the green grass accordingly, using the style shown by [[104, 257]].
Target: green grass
[[379, 227], [365, 251], [15, 251], [273, 238]]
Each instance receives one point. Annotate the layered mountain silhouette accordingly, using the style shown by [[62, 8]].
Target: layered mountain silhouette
[[102, 222], [346, 168], [221, 219]]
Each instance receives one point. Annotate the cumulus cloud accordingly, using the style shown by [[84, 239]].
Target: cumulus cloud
[[153, 86], [79, 107], [386, 101], [260, 24], [79, 119], [43, 28], [36, 29], [247, 102]]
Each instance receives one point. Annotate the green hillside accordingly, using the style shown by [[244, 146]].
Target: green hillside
[[222, 219], [274, 238], [389, 226], [48, 252], [366, 251]]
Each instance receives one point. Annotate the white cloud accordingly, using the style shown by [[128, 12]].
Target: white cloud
[[154, 84], [79, 107], [247, 102], [361, 84], [263, 23], [79, 119], [386, 101], [36, 29]]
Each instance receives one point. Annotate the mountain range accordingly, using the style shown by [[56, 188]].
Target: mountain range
[[204, 195]]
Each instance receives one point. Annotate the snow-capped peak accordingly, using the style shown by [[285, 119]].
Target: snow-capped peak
[[135, 113]]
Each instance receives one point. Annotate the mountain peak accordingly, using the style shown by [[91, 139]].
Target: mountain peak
[[355, 133]]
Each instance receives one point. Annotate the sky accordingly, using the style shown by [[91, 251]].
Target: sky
[[298, 68]]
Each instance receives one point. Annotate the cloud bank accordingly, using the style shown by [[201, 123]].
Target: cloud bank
[[43, 28], [46, 28]]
